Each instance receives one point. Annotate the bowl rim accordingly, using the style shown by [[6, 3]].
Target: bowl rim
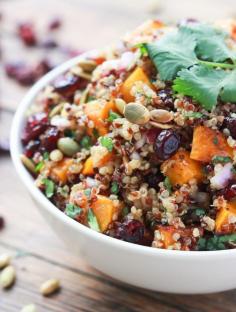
[[26, 178]]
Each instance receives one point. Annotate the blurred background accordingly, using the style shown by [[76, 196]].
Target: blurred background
[[35, 36]]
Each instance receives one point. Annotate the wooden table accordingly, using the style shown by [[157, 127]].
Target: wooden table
[[38, 253]]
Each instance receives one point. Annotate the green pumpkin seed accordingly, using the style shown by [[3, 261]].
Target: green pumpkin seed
[[28, 163], [120, 105], [136, 113], [68, 146], [87, 65]]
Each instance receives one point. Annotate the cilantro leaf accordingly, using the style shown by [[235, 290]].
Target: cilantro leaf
[[142, 48], [167, 184], [205, 85], [217, 242], [113, 116], [86, 142], [211, 45], [50, 187], [107, 142], [221, 159], [170, 57], [72, 211], [193, 115], [114, 187], [92, 221], [39, 166]]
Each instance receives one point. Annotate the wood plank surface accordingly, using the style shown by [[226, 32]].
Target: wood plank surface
[[38, 254]]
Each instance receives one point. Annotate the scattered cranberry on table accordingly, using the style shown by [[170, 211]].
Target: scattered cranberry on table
[[27, 34]]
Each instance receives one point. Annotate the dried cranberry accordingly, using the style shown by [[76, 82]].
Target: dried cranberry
[[154, 179], [31, 148], [26, 76], [55, 23], [130, 231], [27, 34], [166, 144], [230, 191], [12, 68], [166, 97], [42, 68], [35, 126], [151, 135], [49, 139], [230, 124], [2, 223], [66, 86]]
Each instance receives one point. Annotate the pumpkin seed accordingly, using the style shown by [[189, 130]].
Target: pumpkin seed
[[161, 115], [4, 260], [120, 105], [78, 71], [136, 113], [68, 146], [84, 96], [87, 65], [29, 308], [161, 125], [28, 163], [49, 287], [56, 155], [56, 110], [7, 277]]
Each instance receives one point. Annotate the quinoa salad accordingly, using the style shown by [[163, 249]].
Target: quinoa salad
[[138, 141]]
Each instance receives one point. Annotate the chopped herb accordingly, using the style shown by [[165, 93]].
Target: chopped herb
[[113, 116], [192, 54], [200, 212], [92, 221], [193, 115], [86, 142], [142, 48], [46, 156], [72, 211], [221, 159], [215, 141], [90, 98], [125, 211], [95, 133], [107, 142], [114, 187], [87, 192], [50, 187], [63, 191], [167, 184], [69, 133], [39, 166], [217, 242]]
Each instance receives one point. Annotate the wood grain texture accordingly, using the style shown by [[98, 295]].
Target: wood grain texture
[[38, 254]]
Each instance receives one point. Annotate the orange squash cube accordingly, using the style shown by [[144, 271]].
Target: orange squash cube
[[223, 217], [88, 167], [180, 168], [104, 210], [98, 112], [208, 143], [60, 170], [137, 75]]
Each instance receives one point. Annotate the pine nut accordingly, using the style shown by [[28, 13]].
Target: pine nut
[[4, 260], [49, 287], [7, 277], [29, 308]]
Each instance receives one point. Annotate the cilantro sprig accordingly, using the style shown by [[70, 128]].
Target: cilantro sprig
[[49, 187], [92, 221], [107, 142], [199, 61], [216, 242], [72, 211]]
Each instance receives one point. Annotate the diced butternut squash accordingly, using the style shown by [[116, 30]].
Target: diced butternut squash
[[137, 75], [208, 143], [98, 112], [170, 236], [180, 168], [88, 167], [59, 172], [104, 210], [223, 224]]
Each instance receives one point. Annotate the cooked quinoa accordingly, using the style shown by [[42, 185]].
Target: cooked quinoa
[[139, 141]]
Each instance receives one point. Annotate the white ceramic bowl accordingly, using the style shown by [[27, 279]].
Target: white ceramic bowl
[[156, 269]]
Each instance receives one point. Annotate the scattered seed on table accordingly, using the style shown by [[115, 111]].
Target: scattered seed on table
[[5, 260], [49, 287], [29, 308], [7, 277]]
